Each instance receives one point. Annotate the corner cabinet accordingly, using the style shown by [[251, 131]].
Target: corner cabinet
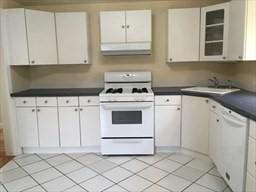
[[214, 32], [183, 35], [72, 38], [167, 121], [195, 119]]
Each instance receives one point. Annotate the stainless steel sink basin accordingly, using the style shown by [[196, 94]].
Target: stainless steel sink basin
[[219, 91]]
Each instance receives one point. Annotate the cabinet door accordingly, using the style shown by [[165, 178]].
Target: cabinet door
[[183, 35], [17, 37], [27, 127], [195, 119], [167, 126], [112, 26], [139, 26], [69, 127], [72, 38], [48, 127], [250, 183], [214, 137], [214, 32], [41, 37], [251, 161], [90, 126]]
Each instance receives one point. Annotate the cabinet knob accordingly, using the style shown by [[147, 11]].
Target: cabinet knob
[[167, 100], [178, 109], [230, 112], [240, 57], [128, 26], [33, 62], [123, 26], [38, 110], [33, 110], [207, 101], [67, 101], [81, 109], [85, 61], [170, 59], [89, 101], [45, 101], [24, 102], [217, 120], [224, 58], [213, 106], [76, 110]]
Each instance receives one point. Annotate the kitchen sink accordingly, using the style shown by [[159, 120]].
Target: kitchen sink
[[219, 91]]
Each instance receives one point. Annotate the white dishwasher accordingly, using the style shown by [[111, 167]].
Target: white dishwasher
[[233, 149]]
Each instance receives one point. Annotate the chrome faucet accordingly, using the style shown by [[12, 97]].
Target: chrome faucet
[[230, 84], [215, 82]]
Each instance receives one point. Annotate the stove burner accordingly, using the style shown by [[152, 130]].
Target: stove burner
[[113, 91], [136, 90]]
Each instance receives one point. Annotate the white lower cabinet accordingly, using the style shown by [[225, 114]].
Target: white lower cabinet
[[90, 126], [69, 127], [48, 126], [195, 119], [167, 122], [27, 126], [250, 183]]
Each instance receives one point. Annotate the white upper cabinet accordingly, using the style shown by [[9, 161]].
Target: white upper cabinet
[[183, 34], [126, 32], [41, 37], [242, 38], [138, 26], [17, 37], [113, 26], [72, 38], [214, 32]]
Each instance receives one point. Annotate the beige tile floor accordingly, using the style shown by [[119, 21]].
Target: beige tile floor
[[93, 172]]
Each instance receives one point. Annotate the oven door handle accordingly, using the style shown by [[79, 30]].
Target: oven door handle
[[125, 106]]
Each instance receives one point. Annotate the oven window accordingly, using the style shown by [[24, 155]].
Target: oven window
[[126, 117]]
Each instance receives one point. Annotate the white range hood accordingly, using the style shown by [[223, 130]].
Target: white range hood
[[126, 48]]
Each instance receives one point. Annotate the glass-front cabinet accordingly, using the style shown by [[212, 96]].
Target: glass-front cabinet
[[214, 32]]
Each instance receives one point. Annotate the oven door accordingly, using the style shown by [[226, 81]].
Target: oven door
[[127, 120]]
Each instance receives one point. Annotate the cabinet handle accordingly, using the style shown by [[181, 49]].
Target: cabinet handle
[[67, 101], [224, 58], [38, 110], [85, 61], [178, 109], [213, 106], [128, 26], [32, 62], [45, 101], [89, 101], [218, 120], [207, 101], [167, 100], [24, 102], [76, 110], [33, 110]]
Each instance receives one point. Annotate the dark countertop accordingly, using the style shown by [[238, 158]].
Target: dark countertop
[[58, 92], [242, 102]]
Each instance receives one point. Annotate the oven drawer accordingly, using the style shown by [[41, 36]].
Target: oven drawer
[[167, 100], [25, 102], [68, 101], [89, 101], [127, 146]]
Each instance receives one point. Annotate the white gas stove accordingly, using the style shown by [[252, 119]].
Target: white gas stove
[[127, 114]]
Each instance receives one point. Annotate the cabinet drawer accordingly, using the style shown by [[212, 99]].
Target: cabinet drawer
[[251, 166], [167, 100], [68, 101], [25, 102], [46, 101], [214, 106], [89, 101], [252, 125]]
